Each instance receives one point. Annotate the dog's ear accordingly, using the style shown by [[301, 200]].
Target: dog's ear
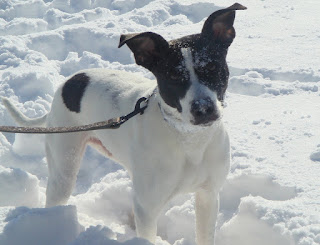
[[218, 28], [148, 47]]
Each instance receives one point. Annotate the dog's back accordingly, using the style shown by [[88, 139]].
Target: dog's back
[[98, 94]]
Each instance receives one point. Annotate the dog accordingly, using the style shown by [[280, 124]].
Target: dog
[[179, 145]]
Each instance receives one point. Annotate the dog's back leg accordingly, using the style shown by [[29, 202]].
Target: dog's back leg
[[64, 154]]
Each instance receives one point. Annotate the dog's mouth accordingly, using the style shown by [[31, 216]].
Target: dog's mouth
[[206, 121], [207, 124]]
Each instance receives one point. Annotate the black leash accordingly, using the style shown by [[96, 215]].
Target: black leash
[[113, 123]]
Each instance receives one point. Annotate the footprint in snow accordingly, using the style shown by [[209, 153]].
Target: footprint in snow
[[254, 185], [315, 156]]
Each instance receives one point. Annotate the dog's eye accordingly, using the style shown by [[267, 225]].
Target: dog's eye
[[208, 67], [175, 77], [211, 67]]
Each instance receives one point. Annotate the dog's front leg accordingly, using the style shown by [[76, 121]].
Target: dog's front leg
[[152, 188], [146, 220], [207, 207]]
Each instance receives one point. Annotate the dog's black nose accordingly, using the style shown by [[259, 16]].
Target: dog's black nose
[[203, 111]]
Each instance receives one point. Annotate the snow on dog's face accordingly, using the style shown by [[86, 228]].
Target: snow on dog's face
[[191, 72]]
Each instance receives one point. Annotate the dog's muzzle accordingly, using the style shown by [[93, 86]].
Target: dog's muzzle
[[204, 112]]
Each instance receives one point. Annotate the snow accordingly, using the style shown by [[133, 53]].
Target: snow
[[272, 194], [22, 186], [41, 226]]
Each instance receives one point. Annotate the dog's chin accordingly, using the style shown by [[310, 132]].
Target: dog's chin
[[206, 123]]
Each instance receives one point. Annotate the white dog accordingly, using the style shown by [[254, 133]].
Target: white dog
[[179, 145]]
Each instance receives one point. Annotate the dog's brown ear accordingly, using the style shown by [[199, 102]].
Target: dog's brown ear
[[218, 28], [148, 47]]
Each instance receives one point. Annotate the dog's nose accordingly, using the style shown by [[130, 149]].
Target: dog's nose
[[203, 111]]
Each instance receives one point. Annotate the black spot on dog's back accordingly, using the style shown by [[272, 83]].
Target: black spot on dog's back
[[73, 91]]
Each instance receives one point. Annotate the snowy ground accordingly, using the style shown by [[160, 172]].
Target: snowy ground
[[272, 195]]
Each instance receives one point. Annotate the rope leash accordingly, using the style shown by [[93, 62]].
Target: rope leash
[[113, 123]]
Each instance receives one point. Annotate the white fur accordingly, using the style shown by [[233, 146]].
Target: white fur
[[187, 55], [162, 160]]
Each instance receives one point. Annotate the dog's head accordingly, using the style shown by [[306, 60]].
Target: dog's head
[[191, 72]]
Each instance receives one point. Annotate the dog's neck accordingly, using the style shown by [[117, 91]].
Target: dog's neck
[[190, 136]]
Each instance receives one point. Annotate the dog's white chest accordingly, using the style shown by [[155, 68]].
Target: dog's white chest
[[194, 149], [195, 161], [194, 142]]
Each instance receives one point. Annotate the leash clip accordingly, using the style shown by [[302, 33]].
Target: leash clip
[[138, 107]]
